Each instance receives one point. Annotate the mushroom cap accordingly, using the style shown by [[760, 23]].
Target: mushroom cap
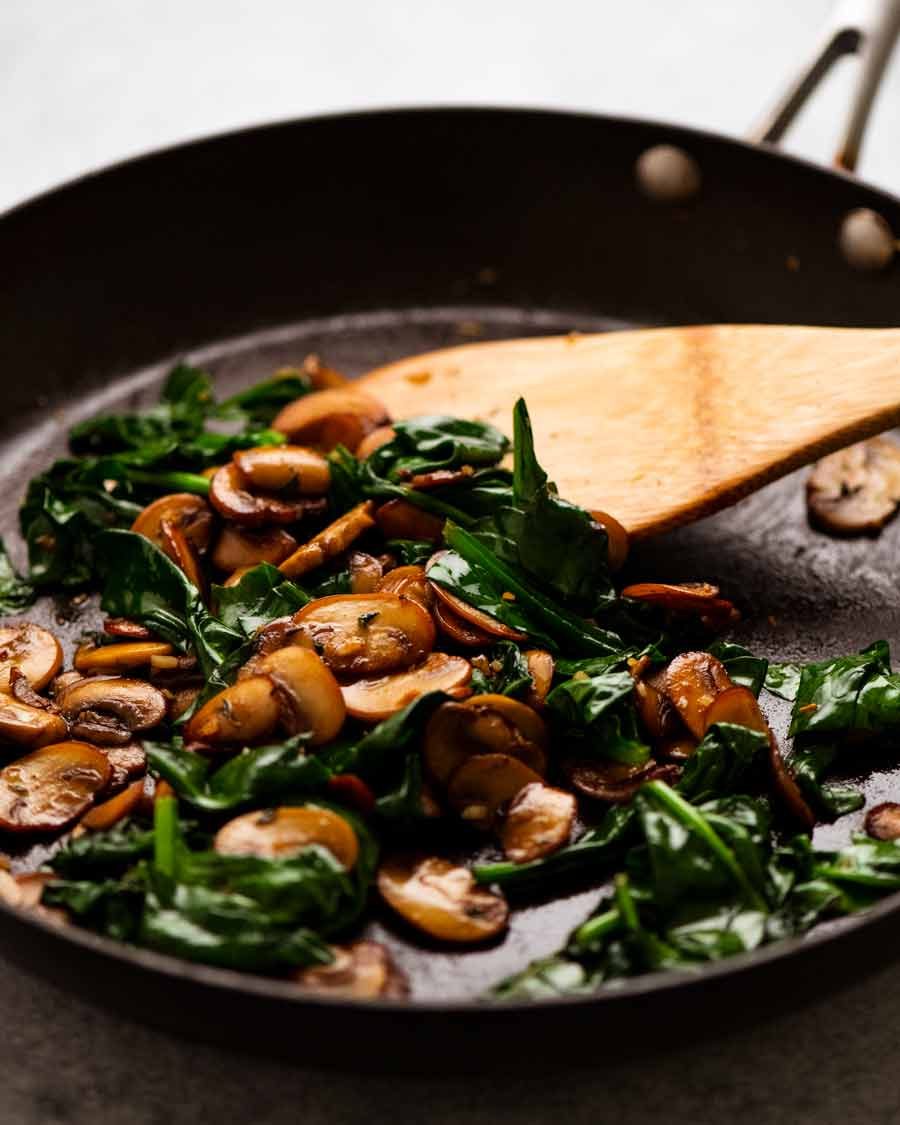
[[856, 490]]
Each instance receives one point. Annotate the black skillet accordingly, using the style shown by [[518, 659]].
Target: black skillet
[[371, 236]]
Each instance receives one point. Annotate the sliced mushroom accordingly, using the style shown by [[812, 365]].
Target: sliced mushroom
[[184, 510], [365, 634], [538, 822], [244, 712], [324, 419], [616, 539], [180, 550], [309, 694], [111, 710], [130, 630], [457, 630], [541, 667], [320, 376], [126, 762], [398, 519], [30, 726], [21, 690], [483, 724], [365, 573], [374, 700], [361, 971], [700, 599], [475, 617], [375, 440], [657, 713], [49, 788], [351, 790], [486, 783], [110, 812], [856, 490], [692, 682], [119, 657], [441, 899], [883, 821], [283, 832], [237, 547], [31, 649], [291, 470], [330, 542], [409, 582], [616, 782], [230, 495], [736, 705]]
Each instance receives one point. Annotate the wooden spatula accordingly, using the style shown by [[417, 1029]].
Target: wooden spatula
[[661, 426]]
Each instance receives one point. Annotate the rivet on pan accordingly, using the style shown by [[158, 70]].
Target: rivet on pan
[[667, 174], [866, 240]]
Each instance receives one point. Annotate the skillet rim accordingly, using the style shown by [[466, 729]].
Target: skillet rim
[[647, 985]]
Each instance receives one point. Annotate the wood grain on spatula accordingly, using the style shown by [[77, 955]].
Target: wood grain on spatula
[[661, 426]]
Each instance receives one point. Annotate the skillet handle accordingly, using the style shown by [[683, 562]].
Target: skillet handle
[[867, 28]]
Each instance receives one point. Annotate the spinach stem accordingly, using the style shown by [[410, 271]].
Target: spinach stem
[[165, 835], [171, 479], [598, 927], [697, 823]]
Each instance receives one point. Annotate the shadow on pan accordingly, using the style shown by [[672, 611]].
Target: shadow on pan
[[370, 236]]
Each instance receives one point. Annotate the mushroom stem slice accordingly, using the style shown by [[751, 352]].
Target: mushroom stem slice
[[110, 812], [442, 899], [538, 822], [244, 712], [311, 695], [365, 634], [283, 832], [30, 726], [361, 971], [239, 547], [49, 788], [118, 657], [330, 542], [182, 552], [541, 667], [377, 699], [31, 649]]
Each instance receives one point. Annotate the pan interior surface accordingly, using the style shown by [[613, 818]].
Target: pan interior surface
[[803, 596]]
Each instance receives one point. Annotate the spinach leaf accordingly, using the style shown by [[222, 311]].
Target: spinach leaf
[[15, 593], [436, 441], [810, 762], [528, 532], [262, 595], [504, 671], [783, 680], [848, 693], [106, 852], [110, 906], [264, 773], [598, 715], [723, 763], [743, 668], [258, 405], [410, 552]]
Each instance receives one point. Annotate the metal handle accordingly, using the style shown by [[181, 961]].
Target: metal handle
[[866, 28]]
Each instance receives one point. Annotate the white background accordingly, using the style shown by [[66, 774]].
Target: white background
[[87, 82]]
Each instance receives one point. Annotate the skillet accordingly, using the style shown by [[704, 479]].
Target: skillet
[[366, 237]]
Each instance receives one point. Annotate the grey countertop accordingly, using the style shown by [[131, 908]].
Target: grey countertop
[[85, 84]]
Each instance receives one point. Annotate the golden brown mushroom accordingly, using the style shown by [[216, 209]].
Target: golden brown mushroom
[[30, 726], [410, 582], [244, 712], [118, 657], [374, 700], [616, 782], [375, 440], [699, 599], [129, 630], [285, 469], [49, 788], [283, 832], [458, 630], [541, 667], [320, 376], [398, 519], [365, 634], [230, 495], [330, 542], [692, 682], [110, 812], [309, 694], [616, 539], [337, 416], [33, 651], [883, 821], [361, 971], [126, 762], [485, 783], [190, 513], [856, 490], [111, 710], [441, 899], [538, 822], [238, 547], [475, 617], [483, 724], [365, 573]]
